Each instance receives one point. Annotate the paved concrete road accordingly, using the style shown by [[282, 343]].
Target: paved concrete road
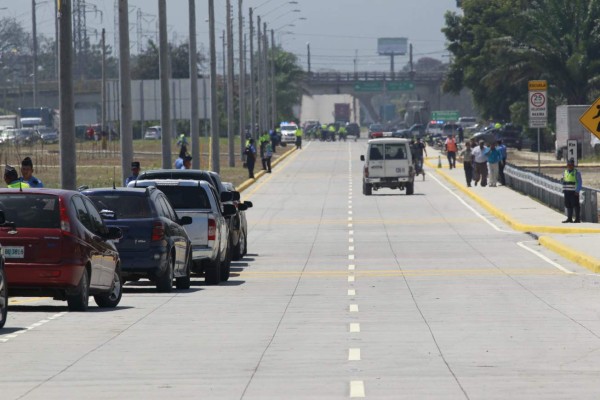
[[342, 296]]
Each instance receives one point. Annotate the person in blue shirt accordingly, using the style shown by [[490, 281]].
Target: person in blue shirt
[[502, 162], [27, 174], [493, 158], [135, 172], [179, 160]]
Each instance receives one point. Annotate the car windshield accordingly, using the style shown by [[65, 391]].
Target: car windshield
[[376, 127], [124, 205], [288, 128], [31, 210], [186, 197]]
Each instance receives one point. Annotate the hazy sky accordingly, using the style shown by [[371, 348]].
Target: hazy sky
[[338, 30]]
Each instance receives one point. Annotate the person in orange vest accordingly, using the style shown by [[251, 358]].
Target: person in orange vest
[[451, 148]]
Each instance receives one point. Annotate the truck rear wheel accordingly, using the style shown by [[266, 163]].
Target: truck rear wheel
[[410, 188], [367, 189], [212, 271]]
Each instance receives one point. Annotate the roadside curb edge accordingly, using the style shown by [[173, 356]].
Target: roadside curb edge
[[516, 225], [248, 182], [589, 262]]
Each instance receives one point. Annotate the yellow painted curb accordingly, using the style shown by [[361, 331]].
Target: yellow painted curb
[[516, 225], [589, 262], [248, 182]]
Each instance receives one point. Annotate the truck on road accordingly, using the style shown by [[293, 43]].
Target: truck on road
[[31, 117], [569, 127], [341, 112]]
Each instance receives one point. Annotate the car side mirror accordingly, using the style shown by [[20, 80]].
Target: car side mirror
[[114, 233], [362, 158], [242, 207], [226, 196], [185, 221], [236, 195], [249, 204], [229, 209], [2, 217], [108, 214]]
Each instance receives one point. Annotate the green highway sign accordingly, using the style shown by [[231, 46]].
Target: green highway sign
[[369, 86], [400, 86], [445, 115]]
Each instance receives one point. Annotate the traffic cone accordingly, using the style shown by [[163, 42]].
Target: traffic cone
[[439, 161]]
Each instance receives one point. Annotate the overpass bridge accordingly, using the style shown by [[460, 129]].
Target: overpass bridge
[[366, 87]]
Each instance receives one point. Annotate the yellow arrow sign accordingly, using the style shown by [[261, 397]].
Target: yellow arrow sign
[[591, 118]]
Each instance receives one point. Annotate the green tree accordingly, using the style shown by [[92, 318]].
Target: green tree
[[146, 65], [288, 77], [498, 45]]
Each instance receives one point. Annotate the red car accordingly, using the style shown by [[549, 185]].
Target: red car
[[55, 243]]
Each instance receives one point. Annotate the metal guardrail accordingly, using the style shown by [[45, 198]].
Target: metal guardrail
[[548, 191]]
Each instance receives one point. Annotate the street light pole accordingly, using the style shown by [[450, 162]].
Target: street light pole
[[252, 78], [35, 51], [194, 115], [273, 82], [260, 78], [214, 114], [242, 79], [68, 174], [125, 90], [230, 78], [165, 96]]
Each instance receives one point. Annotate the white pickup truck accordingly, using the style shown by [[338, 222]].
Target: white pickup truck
[[209, 230], [388, 165]]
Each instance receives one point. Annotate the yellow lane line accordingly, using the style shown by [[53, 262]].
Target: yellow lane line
[[13, 302]]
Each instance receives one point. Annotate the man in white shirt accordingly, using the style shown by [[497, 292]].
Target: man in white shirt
[[480, 160]]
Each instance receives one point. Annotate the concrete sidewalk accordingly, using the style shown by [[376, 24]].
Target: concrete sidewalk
[[576, 242]]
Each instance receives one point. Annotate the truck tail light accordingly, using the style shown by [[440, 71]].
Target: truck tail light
[[366, 171], [212, 229], [158, 231]]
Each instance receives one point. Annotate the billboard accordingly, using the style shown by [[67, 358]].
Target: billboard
[[392, 46]]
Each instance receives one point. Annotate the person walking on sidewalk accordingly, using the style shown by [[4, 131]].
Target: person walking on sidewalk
[[502, 162], [467, 157], [571, 187], [250, 153], [493, 158], [480, 163], [451, 149]]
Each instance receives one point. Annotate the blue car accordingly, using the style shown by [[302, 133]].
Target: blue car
[[154, 243]]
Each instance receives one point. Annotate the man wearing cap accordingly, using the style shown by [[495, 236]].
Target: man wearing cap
[[12, 179], [135, 172], [27, 174], [571, 187]]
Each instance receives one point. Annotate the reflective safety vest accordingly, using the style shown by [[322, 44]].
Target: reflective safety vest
[[298, 132], [18, 185], [570, 180], [265, 138], [342, 130], [331, 128]]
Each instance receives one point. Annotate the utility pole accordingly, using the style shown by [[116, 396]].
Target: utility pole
[[273, 83], [165, 96], [68, 172], [265, 87], [35, 55], [125, 90], [242, 79], [230, 67], [260, 79], [308, 56], [194, 123], [214, 113], [252, 79], [103, 90]]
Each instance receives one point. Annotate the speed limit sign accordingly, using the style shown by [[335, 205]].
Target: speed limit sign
[[572, 150]]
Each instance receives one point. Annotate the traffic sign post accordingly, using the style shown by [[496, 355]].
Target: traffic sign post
[[572, 150], [591, 118], [445, 115], [538, 110]]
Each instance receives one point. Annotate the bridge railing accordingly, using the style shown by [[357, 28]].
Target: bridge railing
[[549, 191], [333, 77]]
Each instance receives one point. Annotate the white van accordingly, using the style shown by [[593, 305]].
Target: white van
[[388, 164]]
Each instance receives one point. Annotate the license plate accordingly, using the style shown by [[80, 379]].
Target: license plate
[[13, 252]]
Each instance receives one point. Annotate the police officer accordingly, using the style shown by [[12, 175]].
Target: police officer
[[27, 174], [262, 143], [299, 138], [135, 172], [342, 132], [331, 130], [571, 187], [11, 178]]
